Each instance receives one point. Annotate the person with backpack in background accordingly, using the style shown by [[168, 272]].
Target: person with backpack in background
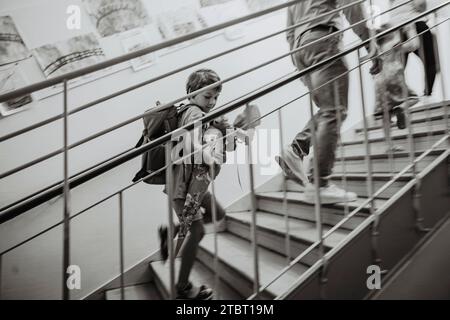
[[391, 92], [426, 50]]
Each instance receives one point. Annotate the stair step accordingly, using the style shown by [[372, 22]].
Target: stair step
[[236, 264], [421, 142], [200, 275], [358, 184], [419, 116], [145, 291], [331, 213], [272, 232], [418, 130], [381, 163]]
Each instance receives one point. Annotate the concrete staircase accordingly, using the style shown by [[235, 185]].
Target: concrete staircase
[[349, 247]]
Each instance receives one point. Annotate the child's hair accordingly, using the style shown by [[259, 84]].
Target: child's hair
[[202, 78]]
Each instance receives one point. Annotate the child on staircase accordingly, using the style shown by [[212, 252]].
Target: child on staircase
[[191, 200]]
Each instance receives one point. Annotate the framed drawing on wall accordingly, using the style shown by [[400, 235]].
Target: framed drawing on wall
[[69, 55], [179, 22], [134, 41], [12, 47], [11, 78], [116, 16]]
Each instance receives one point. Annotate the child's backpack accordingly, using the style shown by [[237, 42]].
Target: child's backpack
[[157, 124]]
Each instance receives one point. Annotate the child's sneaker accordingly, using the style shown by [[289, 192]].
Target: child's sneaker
[[329, 195], [401, 117], [189, 292], [163, 247]]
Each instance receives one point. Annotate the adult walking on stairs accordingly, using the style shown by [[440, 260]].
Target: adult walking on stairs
[[331, 99]]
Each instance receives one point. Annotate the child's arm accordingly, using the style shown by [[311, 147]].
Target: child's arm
[[228, 132], [413, 42]]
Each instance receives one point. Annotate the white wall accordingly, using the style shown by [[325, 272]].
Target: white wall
[[34, 270]]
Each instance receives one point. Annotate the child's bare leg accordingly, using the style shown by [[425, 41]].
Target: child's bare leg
[[192, 222], [189, 253]]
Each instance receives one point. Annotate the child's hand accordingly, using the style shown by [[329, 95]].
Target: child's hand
[[249, 118], [221, 123]]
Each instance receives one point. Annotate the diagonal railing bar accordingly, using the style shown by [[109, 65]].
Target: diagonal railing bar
[[15, 211], [129, 56], [204, 146], [372, 197], [168, 105], [121, 153], [160, 77]]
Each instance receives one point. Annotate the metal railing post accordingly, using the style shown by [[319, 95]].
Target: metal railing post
[[254, 225], [338, 106], [287, 240], [66, 227], [169, 190], [1, 265], [121, 248], [317, 202], [370, 191], [443, 87], [214, 221]]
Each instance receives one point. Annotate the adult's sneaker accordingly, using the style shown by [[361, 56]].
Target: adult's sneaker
[[328, 195], [292, 166]]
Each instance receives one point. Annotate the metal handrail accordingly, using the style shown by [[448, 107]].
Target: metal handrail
[[167, 105], [117, 155], [371, 198], [13, 212], [129, 56], [304, 253], [136, 86], [354, 212]]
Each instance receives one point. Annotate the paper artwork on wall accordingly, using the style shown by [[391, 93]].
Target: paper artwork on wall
[[116, 16], [69, 55], [225, 11], [11, 79], [179, 22], [12, 47], [207, 3], [135, 41]]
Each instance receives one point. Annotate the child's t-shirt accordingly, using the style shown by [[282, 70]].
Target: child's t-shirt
[[183, 172]]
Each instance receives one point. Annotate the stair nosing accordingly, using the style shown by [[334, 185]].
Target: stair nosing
[[274, 231], [242, 273], [414, 121], [396, 155], [339, 206], [397, 137]]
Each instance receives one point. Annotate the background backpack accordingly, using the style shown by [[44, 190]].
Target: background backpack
[[157, 124]]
